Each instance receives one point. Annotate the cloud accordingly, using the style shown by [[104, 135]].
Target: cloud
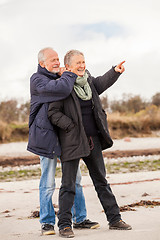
[[106, 31], [89, 31], [3, 2]]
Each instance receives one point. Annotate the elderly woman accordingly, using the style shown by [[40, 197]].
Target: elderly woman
[[83, 133]]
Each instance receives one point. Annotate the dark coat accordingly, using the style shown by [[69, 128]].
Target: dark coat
[[46, 87], [66, 114]]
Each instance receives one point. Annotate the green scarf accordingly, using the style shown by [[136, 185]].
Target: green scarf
[[82, 88]]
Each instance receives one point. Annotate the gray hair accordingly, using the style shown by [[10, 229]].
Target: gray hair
[[69, 55], [41, 54]]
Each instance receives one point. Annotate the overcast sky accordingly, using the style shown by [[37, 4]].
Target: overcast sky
[[106, 31]]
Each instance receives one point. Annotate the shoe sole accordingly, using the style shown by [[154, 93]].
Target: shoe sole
[[65, 236], [115, 228], [49, 233], [95, 226]]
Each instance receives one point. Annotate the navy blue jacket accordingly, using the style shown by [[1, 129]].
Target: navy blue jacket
[[46, 87]]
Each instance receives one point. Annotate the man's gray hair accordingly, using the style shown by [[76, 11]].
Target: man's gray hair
[[41, 57], [69, 55]]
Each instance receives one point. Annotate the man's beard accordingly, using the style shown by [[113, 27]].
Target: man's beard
[[55, 71]]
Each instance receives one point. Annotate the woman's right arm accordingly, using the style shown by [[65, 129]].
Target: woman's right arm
[[58, 118]]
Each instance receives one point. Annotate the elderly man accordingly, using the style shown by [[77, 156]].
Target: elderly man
[[83, 133], [46, 86]]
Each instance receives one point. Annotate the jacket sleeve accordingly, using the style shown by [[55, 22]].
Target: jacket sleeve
[[58, 118], [101, 83], [60, 88]]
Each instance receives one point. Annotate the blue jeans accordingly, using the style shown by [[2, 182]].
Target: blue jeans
[[46, 189]]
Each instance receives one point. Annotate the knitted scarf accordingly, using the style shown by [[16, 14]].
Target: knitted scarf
[[82, 88]]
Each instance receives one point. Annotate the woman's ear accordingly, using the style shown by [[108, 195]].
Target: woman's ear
[[67, 67]]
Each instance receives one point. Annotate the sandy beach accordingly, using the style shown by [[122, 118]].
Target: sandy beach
[[18, 199]]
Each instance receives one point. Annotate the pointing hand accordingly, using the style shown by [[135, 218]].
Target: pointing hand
[[120, 68]]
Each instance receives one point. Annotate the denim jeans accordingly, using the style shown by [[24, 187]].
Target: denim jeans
[[96, 167], [46, 189]]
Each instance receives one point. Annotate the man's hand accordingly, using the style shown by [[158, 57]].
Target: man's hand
[[120, 68], [62, 70]]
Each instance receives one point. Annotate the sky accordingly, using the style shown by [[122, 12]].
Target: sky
[[107, 32]]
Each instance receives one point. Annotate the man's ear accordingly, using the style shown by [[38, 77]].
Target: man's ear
[[42, 64]]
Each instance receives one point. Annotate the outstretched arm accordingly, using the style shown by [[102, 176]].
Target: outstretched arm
[[102, 83]]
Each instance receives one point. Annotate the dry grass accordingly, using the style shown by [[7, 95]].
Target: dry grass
[[13, 132], [5, 131], [143, 123]]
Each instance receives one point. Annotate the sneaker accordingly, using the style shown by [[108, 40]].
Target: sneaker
[[66, 232], [120, 225], [86, 224], [47, 229]]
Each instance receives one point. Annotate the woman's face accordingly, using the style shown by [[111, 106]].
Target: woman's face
[[77, 65]]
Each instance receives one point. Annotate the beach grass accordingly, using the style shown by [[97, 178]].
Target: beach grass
[[111, 168]]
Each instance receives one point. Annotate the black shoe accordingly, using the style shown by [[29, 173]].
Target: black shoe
[[86, 224], [47, 229], [66, 232], [120, 225]]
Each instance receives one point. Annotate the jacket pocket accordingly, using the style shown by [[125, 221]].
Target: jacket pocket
[[42, 139], [70, 138]]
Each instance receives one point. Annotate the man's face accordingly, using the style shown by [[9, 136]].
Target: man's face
[[77, 65], [51, 62]]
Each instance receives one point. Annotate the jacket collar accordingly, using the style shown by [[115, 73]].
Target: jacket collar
[[45, 72]]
